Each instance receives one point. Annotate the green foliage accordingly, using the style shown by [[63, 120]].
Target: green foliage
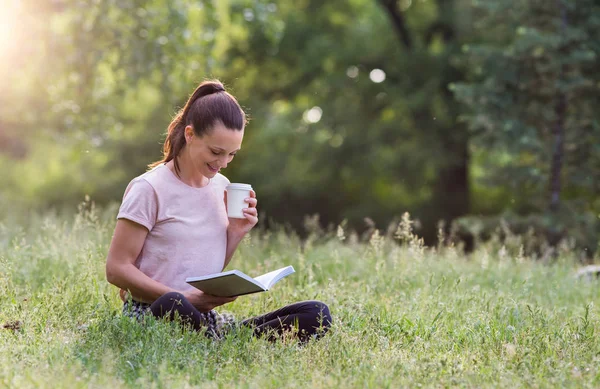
[[88, 108], [372, 149], [536, 60], [120, 69], [403, 314]]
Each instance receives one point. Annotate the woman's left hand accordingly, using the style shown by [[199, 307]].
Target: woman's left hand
[[241, 227]]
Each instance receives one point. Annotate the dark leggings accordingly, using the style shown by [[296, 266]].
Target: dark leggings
[[311, 318]]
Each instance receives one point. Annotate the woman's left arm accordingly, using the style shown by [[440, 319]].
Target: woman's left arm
[[238, 228]]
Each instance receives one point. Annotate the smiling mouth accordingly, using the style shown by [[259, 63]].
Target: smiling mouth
[[212, 169]]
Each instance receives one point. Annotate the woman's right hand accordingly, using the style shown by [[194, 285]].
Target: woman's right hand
[[205, 302]]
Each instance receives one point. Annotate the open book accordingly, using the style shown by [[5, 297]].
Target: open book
[[235, 283]]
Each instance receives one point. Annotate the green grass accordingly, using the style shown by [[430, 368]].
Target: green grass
[[404, 316]]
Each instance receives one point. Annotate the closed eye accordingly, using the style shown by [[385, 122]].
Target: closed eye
[[219, 153]]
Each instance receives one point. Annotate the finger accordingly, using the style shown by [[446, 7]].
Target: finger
[[251, 201], [250, 211], [252, 193], [253, 220]]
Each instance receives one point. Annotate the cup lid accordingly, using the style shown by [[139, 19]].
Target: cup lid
[[239, 186]]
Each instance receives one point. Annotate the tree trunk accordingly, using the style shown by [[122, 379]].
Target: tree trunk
[[452, 188], [451, 196], [557, 153], [559, 134]]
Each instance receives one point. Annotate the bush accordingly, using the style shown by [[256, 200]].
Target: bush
[[539, 234]]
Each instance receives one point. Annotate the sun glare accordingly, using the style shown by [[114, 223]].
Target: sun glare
[[8, 26]]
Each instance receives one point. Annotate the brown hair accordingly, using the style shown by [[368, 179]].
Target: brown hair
[[209, 104]]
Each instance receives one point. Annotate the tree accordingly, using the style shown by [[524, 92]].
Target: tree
[[441, 41], [532, 101], [382, 147], [107, 77], [337, 106]]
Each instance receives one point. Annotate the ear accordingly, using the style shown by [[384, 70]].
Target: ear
[[189, 134]]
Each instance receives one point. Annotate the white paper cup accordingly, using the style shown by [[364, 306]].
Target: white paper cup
[[236, 193]]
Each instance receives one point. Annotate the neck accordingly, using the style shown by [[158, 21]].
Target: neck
[[187, 174]]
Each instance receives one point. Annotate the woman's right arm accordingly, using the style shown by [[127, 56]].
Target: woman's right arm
[[126, 245]]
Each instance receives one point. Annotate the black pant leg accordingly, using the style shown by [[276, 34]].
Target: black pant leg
[[309, 317], [174, 304]]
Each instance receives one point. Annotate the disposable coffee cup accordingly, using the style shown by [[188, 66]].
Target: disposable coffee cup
[[236, 195]]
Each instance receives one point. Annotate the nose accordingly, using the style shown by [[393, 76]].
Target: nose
[[223, 162]]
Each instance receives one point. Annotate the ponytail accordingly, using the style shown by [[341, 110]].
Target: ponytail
[[208, 104]]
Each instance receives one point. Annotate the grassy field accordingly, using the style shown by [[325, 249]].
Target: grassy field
[[405, 316]]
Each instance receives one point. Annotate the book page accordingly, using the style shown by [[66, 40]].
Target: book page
[[271, 278]]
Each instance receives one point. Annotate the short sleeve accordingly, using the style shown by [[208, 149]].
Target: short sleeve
[[140, 204], [222, 182]]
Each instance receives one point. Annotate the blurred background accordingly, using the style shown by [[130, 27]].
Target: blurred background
[[475, 116]]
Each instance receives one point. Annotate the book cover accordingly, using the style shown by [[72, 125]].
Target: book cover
[[236, 283]]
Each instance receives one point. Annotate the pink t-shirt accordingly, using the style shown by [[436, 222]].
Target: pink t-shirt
[[187, 226]]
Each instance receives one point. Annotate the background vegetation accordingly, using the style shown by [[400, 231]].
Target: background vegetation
[[459, 111]]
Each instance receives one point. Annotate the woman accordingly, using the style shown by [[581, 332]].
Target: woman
[[173, 223]]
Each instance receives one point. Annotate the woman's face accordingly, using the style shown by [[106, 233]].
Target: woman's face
[[214, 150]]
